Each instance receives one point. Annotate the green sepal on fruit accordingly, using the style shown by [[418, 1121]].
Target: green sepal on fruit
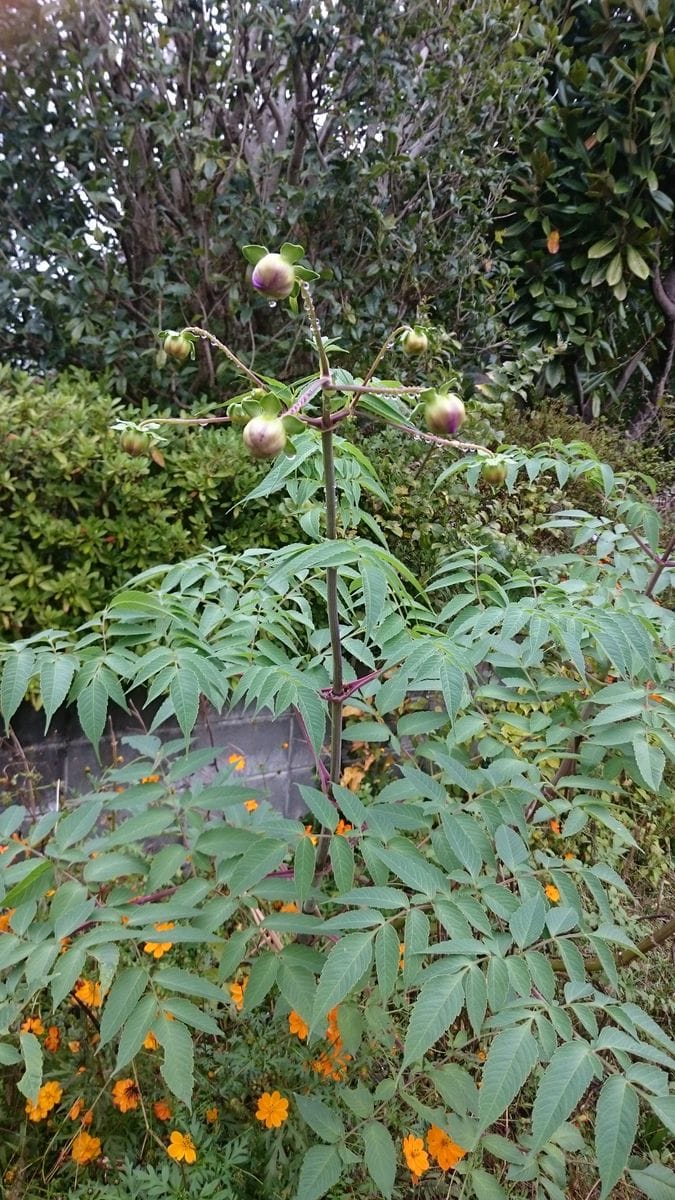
[[134, 442], [494, 472], [414, 341], [277, 275], [178, 345], [265, 437], [444, 413]]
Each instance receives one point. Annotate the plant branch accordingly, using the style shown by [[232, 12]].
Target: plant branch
[[387, 345], [627, 956], [210, 337], [306, 294], [662, 563]]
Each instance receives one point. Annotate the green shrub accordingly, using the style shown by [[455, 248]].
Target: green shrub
[[78, 516]]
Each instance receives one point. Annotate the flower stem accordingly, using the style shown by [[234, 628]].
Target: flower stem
[[333, 623], [210, 337]]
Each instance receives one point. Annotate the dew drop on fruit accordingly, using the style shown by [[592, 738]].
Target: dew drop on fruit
[[272, 304]]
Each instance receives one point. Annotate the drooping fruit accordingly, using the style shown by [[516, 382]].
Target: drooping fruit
[[264, 437], [414, 341], [135, 443], [494, 473], [177, 346], [274, 277], [444, 414]]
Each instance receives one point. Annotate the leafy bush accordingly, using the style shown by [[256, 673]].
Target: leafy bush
[[78, 516], [447, 946]]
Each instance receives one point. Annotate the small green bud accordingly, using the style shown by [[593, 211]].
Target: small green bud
[[444, 414], [274, 277], [264, 437], [494, 473], [178, 346], [414, 341], [135, 443]]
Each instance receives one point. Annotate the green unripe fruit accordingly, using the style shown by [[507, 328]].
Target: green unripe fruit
[[134, 443], [264, 437], [444, 414], [414, 341], [494, 473], [274, 277], [177, 346]]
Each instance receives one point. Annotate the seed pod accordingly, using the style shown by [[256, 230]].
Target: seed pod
[[414, 341], [134, 443], [444, 414], [177, 346], [494, 473], [274, 277], [264, 437]]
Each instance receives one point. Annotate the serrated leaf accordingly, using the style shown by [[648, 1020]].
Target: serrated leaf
[[387, 956], [137, 1026], [177, 1068], [563, 1083], [304, 865], [16, 676], [175, 979], [664, 1107], [485, 1186], [527, 922], [56, 676], [92, 709], [380, 1157], [261, 979], [475, 990], [31, 1052], [651, 761], [511, 1059], [342, 861], [321, 1168], [122, 1000], [320, 1117], [656, 1181], [344, 966], [191, 1015], [76, 824], [264, 856], [437, 1006], [616, 1121], [453, 685], [184, 692], [32, 887]]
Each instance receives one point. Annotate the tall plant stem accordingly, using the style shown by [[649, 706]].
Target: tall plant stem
[[210, 337]]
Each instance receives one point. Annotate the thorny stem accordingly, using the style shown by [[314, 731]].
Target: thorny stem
[[333, 624], [306, 294], [210, 337]]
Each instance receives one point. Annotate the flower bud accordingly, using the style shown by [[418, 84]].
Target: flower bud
[[444, 414], [414, 341], [178, 346], [134, 443], [274, 277], [494, 473], [264, 437]]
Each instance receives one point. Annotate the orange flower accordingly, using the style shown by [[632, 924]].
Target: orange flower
[[333, 1029], [74, 1047], [291, 907], [416, 1156], [53, 1039], [297, 1026], [555, 826], [125, 1095], [236, 991], [552, 893], [5, 920], [250, 805], [151, 779], [150, 1042], [272, 1109], [342, 827], [88, 993], [33, 1025], [309, 832], [181, 1147], [237, 761], [157, 949], [76, 1109], [211, 1115], [401, 951], [162, 1110], [85, 1148], [481, 1056], [49, 1096], [446, 1152]]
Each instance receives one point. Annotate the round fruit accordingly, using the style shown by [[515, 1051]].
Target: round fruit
[[274, 277], [264, 437], [414, 342], [134, 443], [494, 473], [178, 346], [444, 414]]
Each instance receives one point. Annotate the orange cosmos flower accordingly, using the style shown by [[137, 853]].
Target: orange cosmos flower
[[552, 893], [309, 832], [88, 993], [150, 1042], [85, 1148], [416, 1156], [342, 827], [272, 1110], [151, 779], [555, 826], [157, 949], [76, 1109], [74, 1047], [48, 1097], [297, 1026], [291, 907], [236, 991], [5, 920], [53, 1039], [33, 1025], [181, 1147], [162, 1110], [446, 1152], [211, 1115], [569, 856], [250, 805], [237, 761], [125, 1095]]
